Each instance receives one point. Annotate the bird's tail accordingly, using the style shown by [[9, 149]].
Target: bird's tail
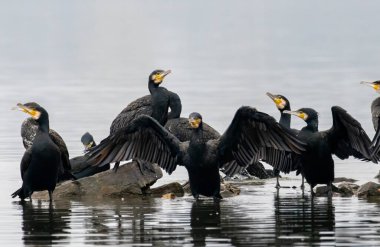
[[20, 193]]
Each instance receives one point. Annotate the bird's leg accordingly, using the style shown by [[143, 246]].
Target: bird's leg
[[303, 183], [217, 197], [116, 166], [196, 196], [312, 191], [50, 196], [330, 192], [142, 165], [277, 183]]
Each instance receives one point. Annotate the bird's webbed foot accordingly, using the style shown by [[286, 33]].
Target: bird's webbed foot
[[278, 186], [303, 183], [217, 197], [196, 196]]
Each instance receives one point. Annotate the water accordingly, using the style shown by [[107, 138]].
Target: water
[[85, 60]]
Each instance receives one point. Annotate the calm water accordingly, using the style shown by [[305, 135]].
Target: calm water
[[85, 60]]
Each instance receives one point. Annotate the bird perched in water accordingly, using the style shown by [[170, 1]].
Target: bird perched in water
[[345, 138], [79, 165], [375, 111], [283, 104], [42, 160], [250, 136], [28, 132]]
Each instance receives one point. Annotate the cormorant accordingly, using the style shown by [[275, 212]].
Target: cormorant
[[375, 111], [28, 132], [283, 104], [155, 105], [79, 165], [251, 135], [345, 138], [42, 160]]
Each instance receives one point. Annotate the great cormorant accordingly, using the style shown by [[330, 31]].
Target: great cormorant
[[283, 104], [251, 135], [28, 132], [345, 138], [375, 111], [42, 160], [79, 165]]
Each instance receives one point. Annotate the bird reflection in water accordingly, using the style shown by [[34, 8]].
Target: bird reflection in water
[[45, 223], [302, 219], [205, 221]]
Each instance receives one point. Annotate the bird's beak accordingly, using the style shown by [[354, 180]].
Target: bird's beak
[[195, 122], [32, 112], [371, 84], [301, 115], [278, 101], [160, 77], [88, 146]]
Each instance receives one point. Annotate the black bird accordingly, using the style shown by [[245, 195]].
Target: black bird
[[375, 111], [250, 136], [155, 105], [41, 162], [79, 165], [345, 138], [283, 104], [28, 132]]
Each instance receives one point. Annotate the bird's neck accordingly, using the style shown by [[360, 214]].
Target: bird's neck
[[285, 118], [312, 125], [197, 145], [43, 125], [152, 87], [197, 136]]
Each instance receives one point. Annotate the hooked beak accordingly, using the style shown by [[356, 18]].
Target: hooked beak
[[371, 84], [278, 101], [88, 146], [301, 115], [32, 112], [160, 77], [194, 123]]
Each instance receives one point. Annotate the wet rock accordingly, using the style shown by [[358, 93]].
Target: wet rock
[[324, 190], [369, 189], [172, 188], [169, 196], [343, 179], [129, 180], [347, 189]]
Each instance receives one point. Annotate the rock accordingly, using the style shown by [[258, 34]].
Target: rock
[[172, 188], [127, 181], [369, 189], [257, 169], [347, 189], [168, 196], [343, 179], [324, 190]]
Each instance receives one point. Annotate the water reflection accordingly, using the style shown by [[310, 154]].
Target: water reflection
[[205, 221], [45, 223], [303, 219]]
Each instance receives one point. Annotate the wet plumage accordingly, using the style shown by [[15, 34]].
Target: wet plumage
[[251, 135]]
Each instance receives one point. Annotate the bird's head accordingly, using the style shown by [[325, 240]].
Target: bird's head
[[374, 84], [88, 141], [195, 120], [306, 114], [157, 76], [281, 102], [36, 111]]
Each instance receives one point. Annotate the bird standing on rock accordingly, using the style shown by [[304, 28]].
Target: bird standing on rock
[[42, 160]]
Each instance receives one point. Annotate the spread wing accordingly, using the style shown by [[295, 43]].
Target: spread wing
[[254, 135], [347, 137], [143, 138]]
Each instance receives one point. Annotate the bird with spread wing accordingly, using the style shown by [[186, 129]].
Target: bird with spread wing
[[252, 135]]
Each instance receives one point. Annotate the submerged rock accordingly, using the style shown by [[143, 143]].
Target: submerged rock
[[226, 189], [369, 189], [129, 180], [344, 179], [344, 189], [172, 188]]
